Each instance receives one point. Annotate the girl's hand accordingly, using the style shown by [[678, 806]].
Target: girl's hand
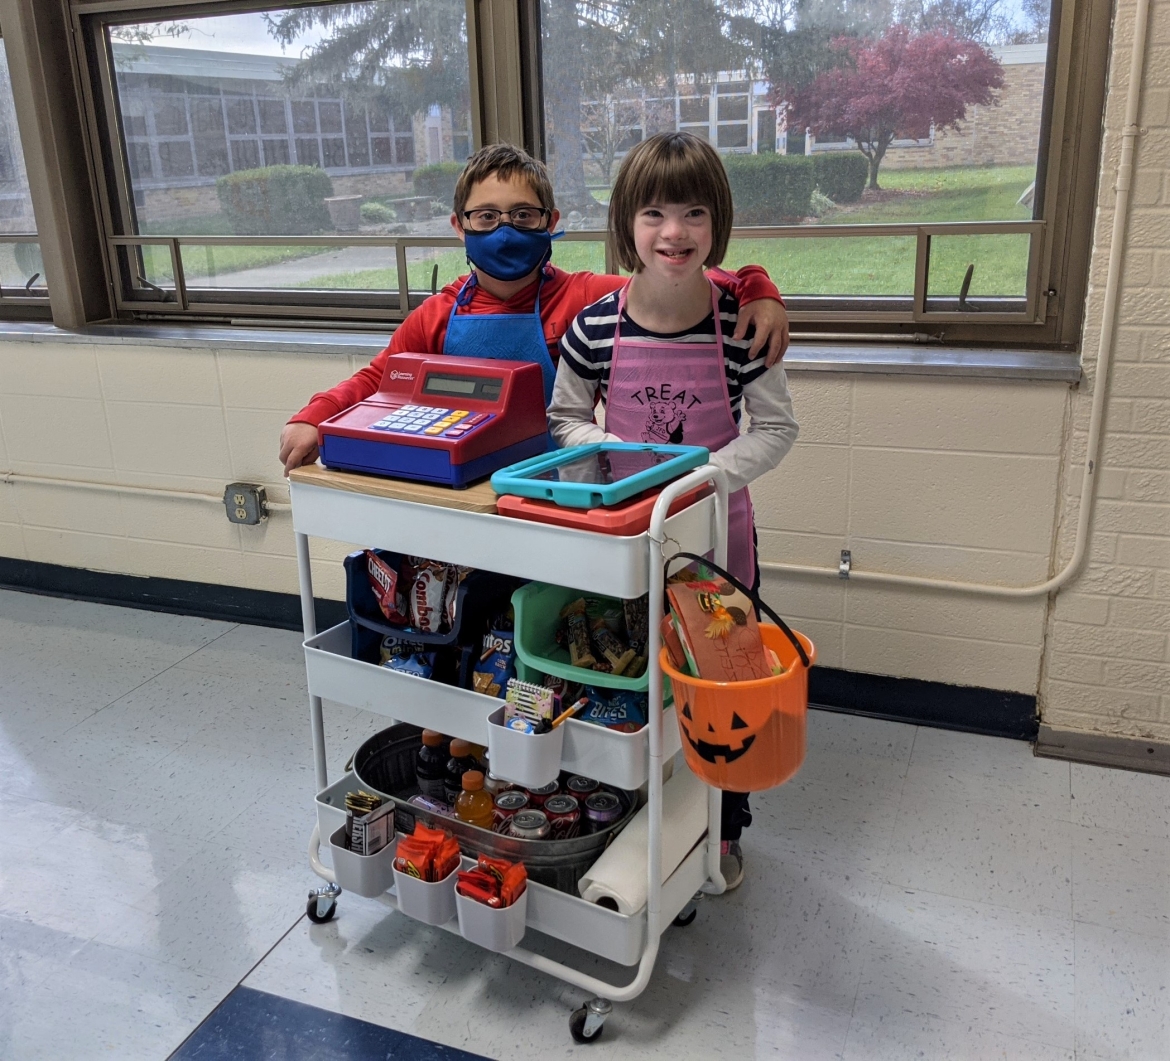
[[770, 320], [298, 445]]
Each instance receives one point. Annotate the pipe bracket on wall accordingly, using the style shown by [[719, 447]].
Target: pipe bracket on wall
[[846, 564]]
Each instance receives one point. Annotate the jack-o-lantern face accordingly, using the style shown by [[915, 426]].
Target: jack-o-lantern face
[[710, 751]]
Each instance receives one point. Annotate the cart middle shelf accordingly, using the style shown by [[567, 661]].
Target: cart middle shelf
[[606, 755]]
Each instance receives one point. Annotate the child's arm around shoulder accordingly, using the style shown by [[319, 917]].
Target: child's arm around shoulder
[[771, 432], [575, 392]]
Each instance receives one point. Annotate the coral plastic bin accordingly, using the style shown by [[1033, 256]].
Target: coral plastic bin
[[745, 736]]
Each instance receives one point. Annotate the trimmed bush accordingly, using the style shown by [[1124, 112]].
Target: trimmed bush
[[377, 214], [438, 180], [769, 189], [276, 200], [841, 175]]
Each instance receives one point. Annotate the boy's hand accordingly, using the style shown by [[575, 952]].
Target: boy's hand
[[770, 319], [298, 445]]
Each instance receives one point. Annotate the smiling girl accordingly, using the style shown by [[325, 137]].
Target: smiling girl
[[660, 356]]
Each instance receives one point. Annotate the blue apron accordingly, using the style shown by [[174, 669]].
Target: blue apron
[[501, 336]]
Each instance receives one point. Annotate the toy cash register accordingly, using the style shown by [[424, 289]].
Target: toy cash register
[[449, 420]]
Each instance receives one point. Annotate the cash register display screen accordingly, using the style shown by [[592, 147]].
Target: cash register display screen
[[605, 467], [486, 388]]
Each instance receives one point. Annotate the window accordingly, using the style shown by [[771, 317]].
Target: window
[[22, 271], [196, 113], [924, 212]]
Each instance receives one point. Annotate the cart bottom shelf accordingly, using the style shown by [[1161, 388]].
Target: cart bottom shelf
[[620, 938]]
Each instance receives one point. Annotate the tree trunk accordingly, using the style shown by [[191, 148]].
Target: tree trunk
[[562, 89], [875, 159]]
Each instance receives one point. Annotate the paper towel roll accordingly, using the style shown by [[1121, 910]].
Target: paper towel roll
[[620, 873]]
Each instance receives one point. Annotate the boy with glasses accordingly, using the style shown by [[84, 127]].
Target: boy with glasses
[[514, 304]]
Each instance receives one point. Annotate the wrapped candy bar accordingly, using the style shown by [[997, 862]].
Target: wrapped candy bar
[[580, 654], [618, 654]]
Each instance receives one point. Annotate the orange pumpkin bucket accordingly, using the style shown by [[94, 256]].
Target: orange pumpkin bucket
[[745, 736]]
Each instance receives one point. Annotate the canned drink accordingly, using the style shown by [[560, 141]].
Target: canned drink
[[493, 785], [602, 809], [564, 816], [537, 796], [529, 825], [581, 786], [506, 804]]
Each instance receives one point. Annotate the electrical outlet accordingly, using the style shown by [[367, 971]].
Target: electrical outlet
[[245, 503]]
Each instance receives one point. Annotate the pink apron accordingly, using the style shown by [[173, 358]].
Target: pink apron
[[676, 393]]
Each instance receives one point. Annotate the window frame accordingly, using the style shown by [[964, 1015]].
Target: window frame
[[504, 46]]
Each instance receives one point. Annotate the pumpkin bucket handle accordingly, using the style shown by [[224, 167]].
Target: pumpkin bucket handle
[[753, 596]]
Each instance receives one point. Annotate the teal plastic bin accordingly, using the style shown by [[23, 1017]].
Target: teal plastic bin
[[538, 614]]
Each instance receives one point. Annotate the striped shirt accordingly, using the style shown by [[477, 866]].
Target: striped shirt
[[587, 347]]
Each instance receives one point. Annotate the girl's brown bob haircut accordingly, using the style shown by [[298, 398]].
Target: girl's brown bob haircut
[[670, 168]]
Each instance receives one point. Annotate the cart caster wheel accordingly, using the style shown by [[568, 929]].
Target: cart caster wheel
[[321, 909], [688, 913], [585, 1024]]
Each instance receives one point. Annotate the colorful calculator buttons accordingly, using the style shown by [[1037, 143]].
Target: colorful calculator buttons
[[428, 420]]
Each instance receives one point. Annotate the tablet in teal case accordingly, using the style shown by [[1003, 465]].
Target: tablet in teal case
[[601, 473]]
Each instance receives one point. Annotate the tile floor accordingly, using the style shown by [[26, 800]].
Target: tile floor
[[912, 893]]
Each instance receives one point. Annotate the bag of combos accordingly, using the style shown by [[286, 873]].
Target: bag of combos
[[420, 594]]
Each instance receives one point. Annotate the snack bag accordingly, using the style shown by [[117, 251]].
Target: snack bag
[[427, 593], [577, 625], [621, 710], [388, 589], [496, 664]]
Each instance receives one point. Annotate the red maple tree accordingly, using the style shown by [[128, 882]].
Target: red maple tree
[[899, 81]]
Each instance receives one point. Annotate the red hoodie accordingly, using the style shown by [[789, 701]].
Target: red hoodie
[[564, 296]]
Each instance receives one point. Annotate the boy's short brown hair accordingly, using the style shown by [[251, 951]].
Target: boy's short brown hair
[[670, 168], [507, 162]]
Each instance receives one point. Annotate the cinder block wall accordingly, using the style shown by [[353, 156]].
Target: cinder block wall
[[1107, 661]]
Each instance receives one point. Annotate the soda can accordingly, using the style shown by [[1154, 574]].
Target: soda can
[[493, 785], [529, 825], [564, 816], [506, 804], [602, 809], [581, 786], [537, 796]]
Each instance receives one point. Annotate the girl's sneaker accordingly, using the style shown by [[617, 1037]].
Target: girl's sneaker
[[731, 863]]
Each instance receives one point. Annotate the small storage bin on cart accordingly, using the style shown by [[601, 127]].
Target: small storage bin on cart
[[494, 929], [529, 759], [431, 902], [538, 614], [480, 597], [599, 473], [367, 875]]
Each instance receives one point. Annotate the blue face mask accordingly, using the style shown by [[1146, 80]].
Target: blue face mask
[[508, 253]]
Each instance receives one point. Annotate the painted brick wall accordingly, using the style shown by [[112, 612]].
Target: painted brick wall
[[1107, 662]]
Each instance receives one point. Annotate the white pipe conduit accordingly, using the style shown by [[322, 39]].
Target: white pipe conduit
[[138, 491], [1129, 134]]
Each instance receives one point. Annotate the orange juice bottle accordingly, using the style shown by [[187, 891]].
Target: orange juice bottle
[[474, 805]]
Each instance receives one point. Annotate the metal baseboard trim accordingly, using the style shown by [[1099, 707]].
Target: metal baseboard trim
[[1100, 749]]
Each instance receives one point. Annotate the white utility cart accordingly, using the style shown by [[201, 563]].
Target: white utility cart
[[461, 527]]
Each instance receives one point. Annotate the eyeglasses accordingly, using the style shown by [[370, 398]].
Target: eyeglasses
[[526, 218]]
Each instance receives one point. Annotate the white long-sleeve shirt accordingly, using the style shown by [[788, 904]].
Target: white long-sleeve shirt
[[582, 383]]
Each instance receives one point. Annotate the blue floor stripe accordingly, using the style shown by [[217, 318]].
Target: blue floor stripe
[[252, 1025]]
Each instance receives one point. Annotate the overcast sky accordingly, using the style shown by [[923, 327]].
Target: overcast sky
[[231, 33]]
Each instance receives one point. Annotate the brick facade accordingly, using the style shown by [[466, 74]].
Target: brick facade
[[1107, 663]]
